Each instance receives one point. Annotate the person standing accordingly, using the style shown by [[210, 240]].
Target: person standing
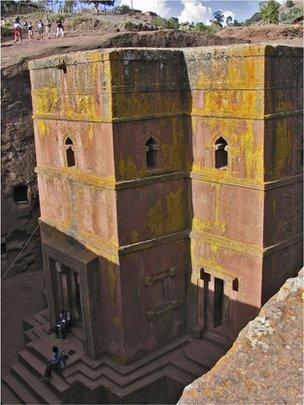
[[59, 28], [40, 28], [48, 25], [17, 31], [30, 31]]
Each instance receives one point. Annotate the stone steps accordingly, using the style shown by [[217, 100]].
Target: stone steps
[[34, 385], [57, 384], [19, 390], [7, 396]]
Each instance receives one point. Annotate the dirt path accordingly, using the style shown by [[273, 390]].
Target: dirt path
[[20, 298]]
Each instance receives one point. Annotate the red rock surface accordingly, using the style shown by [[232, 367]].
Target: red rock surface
[[265, 364]]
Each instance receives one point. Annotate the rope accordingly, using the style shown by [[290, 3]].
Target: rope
[[24, 246]]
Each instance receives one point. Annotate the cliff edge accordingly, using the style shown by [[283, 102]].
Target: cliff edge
[[265, 364]]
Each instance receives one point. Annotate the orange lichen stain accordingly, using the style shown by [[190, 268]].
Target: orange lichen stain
[[167, 214]]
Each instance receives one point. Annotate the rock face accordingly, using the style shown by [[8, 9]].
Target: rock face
[[19, 195], [265, 364]]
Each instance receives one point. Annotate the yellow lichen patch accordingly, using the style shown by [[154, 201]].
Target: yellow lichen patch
[[42, 128], [134, 236], [46, 100], [112, 280], [282, 147], [167, 214], [218, 227], [174, 155], [127, 169], [155, 218], [244, 147], [253, 155]]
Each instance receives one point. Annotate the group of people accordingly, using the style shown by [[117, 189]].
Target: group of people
[[58, 359], [42, 27]]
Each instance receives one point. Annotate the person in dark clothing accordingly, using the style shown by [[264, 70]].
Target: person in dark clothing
[[57, 361], [63, 324]]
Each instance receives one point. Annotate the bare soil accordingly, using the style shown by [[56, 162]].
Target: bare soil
[[278, 34]]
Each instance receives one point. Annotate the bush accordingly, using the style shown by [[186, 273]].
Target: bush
[[289, 4], [123, 9], [201, 27], [6, 31], [54, 17], [160, 22], [172, 23]]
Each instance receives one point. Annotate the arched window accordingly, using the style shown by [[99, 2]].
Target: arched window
[[151, 153], [20, 194], [69, 152], [221, 154]]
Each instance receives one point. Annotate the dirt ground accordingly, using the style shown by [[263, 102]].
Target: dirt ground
[[77, 40], [20, 297], [278, 34]]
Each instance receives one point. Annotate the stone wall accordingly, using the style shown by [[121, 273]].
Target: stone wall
[[265, 364]]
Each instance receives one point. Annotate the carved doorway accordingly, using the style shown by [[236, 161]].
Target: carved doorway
[[68, 292]]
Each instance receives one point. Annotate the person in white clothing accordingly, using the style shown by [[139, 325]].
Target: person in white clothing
[[59, 31]]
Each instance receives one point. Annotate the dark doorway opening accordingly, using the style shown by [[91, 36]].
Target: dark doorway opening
[[218, 301], [20, 194], [68, 292]]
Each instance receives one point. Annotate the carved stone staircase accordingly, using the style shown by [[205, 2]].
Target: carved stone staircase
[[158, 377]]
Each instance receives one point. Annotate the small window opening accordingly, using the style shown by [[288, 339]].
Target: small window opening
[[20, 194], [151, 153], [221, 154], [218, 301], [235, 284], [3, 248], [70, 154]]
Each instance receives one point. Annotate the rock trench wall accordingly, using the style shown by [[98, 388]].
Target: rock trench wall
[[19, 219]]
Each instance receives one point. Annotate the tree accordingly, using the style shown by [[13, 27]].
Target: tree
[[172, 23], [123, 9], [289, 4], [218, 17], [229, 21], [200, 26], [68, 6], [269, 11], [236, 23], [105, 3]]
